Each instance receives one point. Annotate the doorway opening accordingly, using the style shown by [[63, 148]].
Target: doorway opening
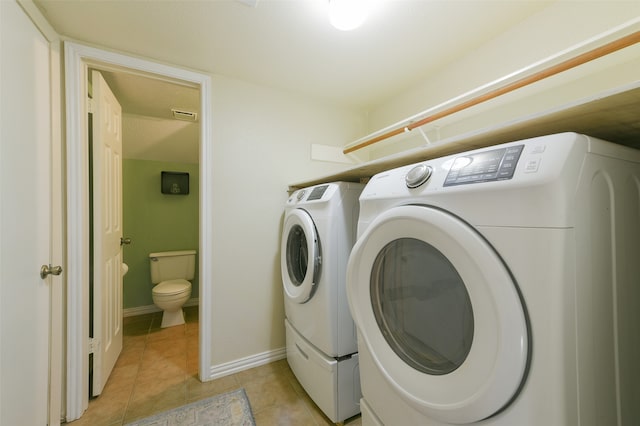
[[135, 139], [78, 60]]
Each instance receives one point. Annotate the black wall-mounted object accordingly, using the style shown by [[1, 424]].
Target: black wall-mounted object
[[175, 183]]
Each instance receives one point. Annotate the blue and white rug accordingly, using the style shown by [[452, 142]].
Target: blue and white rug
[[229, 409]]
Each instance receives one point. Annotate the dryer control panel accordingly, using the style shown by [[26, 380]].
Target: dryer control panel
[[484, 166]]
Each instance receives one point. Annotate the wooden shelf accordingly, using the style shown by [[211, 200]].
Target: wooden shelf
[[613, 116]]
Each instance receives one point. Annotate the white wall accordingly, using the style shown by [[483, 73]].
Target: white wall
[[262, 143], [560, 26]]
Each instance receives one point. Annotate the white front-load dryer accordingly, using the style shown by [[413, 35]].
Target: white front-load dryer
[[500, 287], [319, 231]]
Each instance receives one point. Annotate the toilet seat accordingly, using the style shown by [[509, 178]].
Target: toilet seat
[[172, 287]]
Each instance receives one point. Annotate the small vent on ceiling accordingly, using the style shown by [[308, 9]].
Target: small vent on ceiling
[[179, 114], [252, 3]]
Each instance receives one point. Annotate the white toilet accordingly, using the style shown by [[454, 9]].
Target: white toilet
[[171, 270]]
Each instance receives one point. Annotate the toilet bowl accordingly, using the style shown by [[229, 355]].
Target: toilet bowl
[[171, 272], [170, 296]]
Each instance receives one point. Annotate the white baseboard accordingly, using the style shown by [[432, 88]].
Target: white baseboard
[[149, 309], [217, 371], [227, 368]]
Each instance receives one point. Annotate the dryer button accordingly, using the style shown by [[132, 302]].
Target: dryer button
[[531, 166], [538, 149], [418, 175]]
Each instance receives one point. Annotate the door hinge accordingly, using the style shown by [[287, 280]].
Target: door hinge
[[94, 345], [90, 105]]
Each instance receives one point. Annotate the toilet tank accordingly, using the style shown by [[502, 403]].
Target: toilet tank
[[172, 265]]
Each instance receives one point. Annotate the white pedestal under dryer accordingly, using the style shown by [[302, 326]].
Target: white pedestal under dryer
[[500, 287], [318, 233]]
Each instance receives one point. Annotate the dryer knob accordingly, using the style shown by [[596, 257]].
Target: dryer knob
[[418, 175], [300, 194]]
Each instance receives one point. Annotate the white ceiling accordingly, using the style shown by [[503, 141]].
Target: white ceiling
[[287, 44], [149, 130]]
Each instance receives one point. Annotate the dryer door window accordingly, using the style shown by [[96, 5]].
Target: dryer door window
[[440, 314], [297, 255], [422, 306], [300, 251]]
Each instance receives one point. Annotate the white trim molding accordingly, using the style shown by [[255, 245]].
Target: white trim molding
[[77, 266], [78, 58], [228, 368], [150, 309]]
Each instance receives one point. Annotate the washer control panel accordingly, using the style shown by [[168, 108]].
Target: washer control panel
[[317, 192], [484, 166]]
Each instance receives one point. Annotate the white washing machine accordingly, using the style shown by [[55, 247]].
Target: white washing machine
[[501, 286], [318, 234]]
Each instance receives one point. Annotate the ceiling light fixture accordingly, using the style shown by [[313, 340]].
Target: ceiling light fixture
[[347, 15]]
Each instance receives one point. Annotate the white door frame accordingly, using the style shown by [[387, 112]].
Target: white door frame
[[77, 60]]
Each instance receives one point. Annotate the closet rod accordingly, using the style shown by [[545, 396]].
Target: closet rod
[[583, 58]]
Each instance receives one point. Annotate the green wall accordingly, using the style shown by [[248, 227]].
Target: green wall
[[155, 222]]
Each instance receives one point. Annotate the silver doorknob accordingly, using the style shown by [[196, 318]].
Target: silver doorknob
[[124, 241], [50, 270]]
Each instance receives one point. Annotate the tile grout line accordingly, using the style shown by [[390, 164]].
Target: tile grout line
[[139, 366]]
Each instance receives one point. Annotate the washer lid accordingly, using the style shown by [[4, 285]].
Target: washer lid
[[440, 314], [300, 251], [171, 287]]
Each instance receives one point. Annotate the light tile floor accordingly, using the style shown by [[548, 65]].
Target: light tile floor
[[158, 370]]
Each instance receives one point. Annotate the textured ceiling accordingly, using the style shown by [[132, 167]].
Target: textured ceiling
[[150, 132], [289, 44]]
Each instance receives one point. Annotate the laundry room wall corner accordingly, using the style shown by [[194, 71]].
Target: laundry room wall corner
[[262, 143]]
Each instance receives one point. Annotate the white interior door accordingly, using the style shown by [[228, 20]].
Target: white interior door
[[107, 231], [25, 219]]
